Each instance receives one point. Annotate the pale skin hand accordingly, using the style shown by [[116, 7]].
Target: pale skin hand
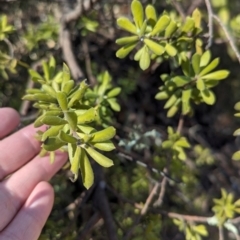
[[26, 199]]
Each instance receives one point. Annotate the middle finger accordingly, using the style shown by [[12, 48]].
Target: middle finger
[[15, 190]]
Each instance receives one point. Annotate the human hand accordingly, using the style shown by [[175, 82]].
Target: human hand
[[26, 199]]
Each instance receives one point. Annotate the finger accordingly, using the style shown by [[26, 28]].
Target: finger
[[18, 149], [30, 220], [15, 190], [9, 119]]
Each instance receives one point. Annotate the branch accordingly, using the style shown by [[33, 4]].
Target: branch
[[210, 24], [100, 201], [65, 36], [228, 36]]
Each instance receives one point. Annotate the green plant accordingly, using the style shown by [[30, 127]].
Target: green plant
[[65, 110]]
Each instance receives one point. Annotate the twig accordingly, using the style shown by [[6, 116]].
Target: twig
[[228, 36], [210, 24], [179, 9], [159, 201], [100, 201], [65, 36], [180, 124], [91, 224], [143, 211], [10, 47], [149, 199], [30, 84], [90, 75], [220, 231], [193, 6]]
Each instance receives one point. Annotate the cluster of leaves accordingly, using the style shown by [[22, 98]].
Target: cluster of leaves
[[86, 25], [5, 28], [236, 155], [6, 61], [161, 36], [192, 231], [175, 144], [196, 83], [70, 121], [103, 96], [44, 32], [225, 208]]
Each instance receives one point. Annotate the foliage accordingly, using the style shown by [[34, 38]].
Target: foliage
[[63, 109], [167, 166]]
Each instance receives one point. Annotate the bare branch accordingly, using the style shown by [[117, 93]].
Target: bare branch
[[210, 24], [65, 36], [228, 36], [100, 201]]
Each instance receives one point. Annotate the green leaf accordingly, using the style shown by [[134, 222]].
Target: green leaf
[[88, 116], [35, 75], [237, 132], [71, 118], [127, 40], [171, 50], [172, 111], [99, 158], [53, 121], [86, 170], [197, 16], [237, 106], [155, 47], [181, 81], [161, 25], [137, 11], [78, 94], [200, 84], [67, 86], [66, 73], [52, 132], [145, 59], [114, 92], [38, 122], [171, 29], [104, 146], [52, 144], [208, 96], [46, 71], [75, 163], [103, 135], [200, 229], [143, 29], [62, 100], [125, 50], [64, 137], [49, 90], [209, 67], [188, 25], [162, 95], [114, 104], [182, 142], [44, 97], [170, 101], [236, 156], [196, 63], [71, 151], [217, 75], [125, 24], [205, 59], [138, 54], [151, 14], [186, 95]]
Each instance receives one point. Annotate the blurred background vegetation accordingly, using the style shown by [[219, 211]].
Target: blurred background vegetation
[[78, 213]]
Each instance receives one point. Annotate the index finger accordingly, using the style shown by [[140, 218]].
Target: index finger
[[9, 119], [17, 149]]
